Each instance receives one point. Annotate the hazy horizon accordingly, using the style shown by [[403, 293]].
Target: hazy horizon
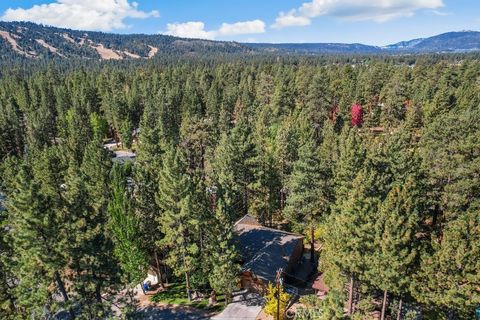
[[373, 22]]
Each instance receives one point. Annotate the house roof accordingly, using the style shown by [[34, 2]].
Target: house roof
[[264, 250]]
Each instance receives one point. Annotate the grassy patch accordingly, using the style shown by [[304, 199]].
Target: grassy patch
[[175, 294]]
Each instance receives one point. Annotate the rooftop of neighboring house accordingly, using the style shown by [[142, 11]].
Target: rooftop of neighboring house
[[264, 250]]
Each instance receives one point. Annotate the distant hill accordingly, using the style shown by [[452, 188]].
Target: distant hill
[[29, 40], [404, 45], [33, 41], [446, 42], [314, 48], [462, 41]]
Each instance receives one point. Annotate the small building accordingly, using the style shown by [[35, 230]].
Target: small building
[[263, 251]]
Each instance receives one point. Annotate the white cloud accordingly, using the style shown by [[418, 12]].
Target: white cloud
[[356, 10], [192, 29], [104, 15], [196, 29], [245, 27], [441, 13], [290, 19]]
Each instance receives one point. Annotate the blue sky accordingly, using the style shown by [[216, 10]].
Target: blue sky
[[376, 22]]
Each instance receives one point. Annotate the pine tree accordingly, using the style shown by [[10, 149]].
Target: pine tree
[[11, 129], [39, 234], [449, 150], [444, 98], [124, 226], [145, 176], [318, 99], [95, 170], [8, 172], [222, 254], [448, 278], [178, 222], [7, 267], [308, 186], [351, 155], [93, 266], [286, 146], [266, 190], [234, 167], [282, 100], [394, 96], [396, 244], [348, 243]]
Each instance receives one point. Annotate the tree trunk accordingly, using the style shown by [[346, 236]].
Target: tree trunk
[[350, 296], [312, 245], [278, 299], [384, 305], [165, 271], [281, 200], [187, 282], [63, 291], [158, 271], [98, 293], [245, 202], [399, 313], [61, 286]]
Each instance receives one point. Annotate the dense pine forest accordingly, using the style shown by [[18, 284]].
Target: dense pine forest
[[378, 159]]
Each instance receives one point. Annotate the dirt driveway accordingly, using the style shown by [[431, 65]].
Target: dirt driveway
[[245, 306], [171, 312]]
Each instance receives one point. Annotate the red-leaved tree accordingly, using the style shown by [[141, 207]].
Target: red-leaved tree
[[357, 115]]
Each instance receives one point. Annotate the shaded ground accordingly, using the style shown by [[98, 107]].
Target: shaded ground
[[168, 309], [118, 154], [175, 295]]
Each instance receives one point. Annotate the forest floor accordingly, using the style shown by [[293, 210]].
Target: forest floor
[[172, 304]]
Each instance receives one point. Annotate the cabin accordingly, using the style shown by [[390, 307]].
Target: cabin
[[263, 251]]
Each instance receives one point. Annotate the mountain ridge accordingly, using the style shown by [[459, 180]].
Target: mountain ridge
[[455, 41], [34, 41], [30, 40]]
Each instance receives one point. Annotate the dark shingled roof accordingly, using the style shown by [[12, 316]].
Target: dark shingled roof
[[264, 250]]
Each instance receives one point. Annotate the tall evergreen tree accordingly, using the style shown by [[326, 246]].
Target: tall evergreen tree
[[348, 243], [351, 155], [11, 129], [124, 226], [234, 167], [394, 96], [178, 222], [39, 234], [308, 186], [223, 256], [145, 176], [91, 261], [448, 277], [396, 244]]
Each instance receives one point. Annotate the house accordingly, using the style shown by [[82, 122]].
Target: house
[[264, 251]]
